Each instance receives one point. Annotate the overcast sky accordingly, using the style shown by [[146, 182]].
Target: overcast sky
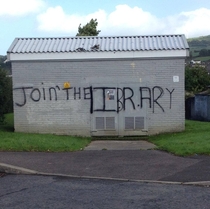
[[51, 18]]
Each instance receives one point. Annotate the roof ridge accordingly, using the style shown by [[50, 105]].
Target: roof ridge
[[115, 36]]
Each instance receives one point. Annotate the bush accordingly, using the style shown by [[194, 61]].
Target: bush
[[6, 102], [197, 79]]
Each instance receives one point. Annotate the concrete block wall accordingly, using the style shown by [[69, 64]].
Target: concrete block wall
[[42, 105]]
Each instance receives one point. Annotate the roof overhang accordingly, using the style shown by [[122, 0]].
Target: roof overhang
[[98, 55]]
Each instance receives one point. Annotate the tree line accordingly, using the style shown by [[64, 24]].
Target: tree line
[[197, 79], [204, 52], [6, 100]]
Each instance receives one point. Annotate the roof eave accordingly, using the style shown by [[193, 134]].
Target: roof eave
[[98, 55]]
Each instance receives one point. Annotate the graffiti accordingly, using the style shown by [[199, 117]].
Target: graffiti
[[155, 100], [151, 96], [129, 98], [33, 97], [24, 95], [77, 93], [101, 97], [104, 96], [88, 94], [170, 92], [36, 95], [55, 92]]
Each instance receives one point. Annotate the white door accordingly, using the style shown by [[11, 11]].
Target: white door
[[119, 110]]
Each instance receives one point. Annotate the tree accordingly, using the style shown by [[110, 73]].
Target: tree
[[197, 79], [90, 29], [6, 103], [203, 53]]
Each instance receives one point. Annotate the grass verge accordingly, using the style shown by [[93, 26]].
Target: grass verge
[[194, 140], [12, 141]]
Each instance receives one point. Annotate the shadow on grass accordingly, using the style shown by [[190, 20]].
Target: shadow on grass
[[8, 124], [6, 128]]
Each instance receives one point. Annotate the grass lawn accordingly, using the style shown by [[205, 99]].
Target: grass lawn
[[203, 58], [12, 141], [194, 140]]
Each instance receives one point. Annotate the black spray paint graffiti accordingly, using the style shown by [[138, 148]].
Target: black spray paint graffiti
[[151, 94], [124, 96], [36, 94]]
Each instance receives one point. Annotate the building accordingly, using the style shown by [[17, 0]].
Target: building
[[197, 106], [99, 86]]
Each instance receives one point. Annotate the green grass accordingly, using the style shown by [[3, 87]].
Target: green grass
[[207, 58], [13, 141], [194, 140]]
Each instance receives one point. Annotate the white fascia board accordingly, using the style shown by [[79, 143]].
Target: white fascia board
[[97, 55]]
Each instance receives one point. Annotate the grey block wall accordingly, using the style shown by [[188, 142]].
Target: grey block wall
[[42, 105]]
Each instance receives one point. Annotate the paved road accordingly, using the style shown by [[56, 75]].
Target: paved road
[[149, 165], [105, 177], [23, 192]]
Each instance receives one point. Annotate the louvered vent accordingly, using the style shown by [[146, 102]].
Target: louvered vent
[[100, 123], [134, 123], [139, 122], [129, 122], [110, 123], [105, 123]]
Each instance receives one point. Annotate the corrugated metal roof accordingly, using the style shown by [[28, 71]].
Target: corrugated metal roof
[[97, 43]]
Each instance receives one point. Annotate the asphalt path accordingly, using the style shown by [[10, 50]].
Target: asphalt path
[[29, 191], [143, 165]]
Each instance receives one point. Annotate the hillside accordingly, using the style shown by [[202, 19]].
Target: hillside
[[200, 38], [200, 47]]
